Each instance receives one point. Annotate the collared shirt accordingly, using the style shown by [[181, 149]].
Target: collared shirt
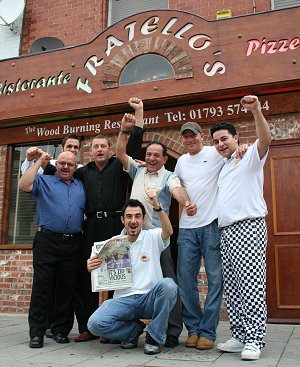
[[145, 261], [60, 206], [162, 180], [241, 188]]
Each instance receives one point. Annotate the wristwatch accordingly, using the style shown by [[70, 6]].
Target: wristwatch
[[159, 209], [125, 132]]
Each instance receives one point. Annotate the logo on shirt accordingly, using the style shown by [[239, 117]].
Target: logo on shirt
[[144, 258], [235, 162]]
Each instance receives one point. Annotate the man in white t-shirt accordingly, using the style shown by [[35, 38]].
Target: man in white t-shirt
[[241, 212], [70, 143], [199, 237], [151, 296]]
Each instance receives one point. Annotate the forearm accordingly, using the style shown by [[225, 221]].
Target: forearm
[[121, 149], [139, 118], [26, 181], [180, 195], [166, 226], [262, 131]]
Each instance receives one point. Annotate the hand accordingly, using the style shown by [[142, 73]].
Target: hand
[[136, 103], [241, 150], [151, 196], [33, 153], [190, 208], [45, 157], [140, 163], [93, 263], [128, 121], [251, 103]]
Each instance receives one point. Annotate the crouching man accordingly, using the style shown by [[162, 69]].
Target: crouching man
[[151, 296]]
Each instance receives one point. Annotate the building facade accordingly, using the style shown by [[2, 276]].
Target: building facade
[[78, 63]]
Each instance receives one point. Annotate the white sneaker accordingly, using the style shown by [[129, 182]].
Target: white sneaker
[[232, 345], [250, 352]]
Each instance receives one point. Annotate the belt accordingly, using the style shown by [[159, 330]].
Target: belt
[[64, 236], [101, 215]]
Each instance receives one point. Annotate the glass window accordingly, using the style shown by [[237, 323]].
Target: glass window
[[146, 68], [22, 207], [120, 9], [282, 4]]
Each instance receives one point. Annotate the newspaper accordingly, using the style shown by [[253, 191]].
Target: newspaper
[[115, 270]]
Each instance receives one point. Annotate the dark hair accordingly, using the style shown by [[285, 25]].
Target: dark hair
[[164, 148], [223, 126], [133, 203], [70, 136], [100, 136]]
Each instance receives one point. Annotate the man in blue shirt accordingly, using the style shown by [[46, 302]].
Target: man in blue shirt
[[56, 247]]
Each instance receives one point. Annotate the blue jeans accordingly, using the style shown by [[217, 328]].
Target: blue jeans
[[193, 244], [118, 318]]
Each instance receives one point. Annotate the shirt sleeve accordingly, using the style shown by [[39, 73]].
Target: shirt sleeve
[[27, 164], [173, 182], [132, 168], [135, 143]]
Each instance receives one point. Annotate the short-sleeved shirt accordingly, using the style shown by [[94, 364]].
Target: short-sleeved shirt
[[162, 180], [145, 261], [60, 206], [199, 176], [241, 188]]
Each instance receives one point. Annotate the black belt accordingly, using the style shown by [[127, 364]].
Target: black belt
[[101, 215], [64, 236]]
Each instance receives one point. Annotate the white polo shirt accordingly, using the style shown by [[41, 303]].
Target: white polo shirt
[[199, 174], [145, 261], [241, 188]]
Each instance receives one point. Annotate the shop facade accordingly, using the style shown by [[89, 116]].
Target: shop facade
[[185, 68]]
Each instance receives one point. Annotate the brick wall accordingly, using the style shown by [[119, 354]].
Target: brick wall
[[79, 21], [71, 21]]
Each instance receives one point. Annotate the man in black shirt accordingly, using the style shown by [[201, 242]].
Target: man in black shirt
[[106, 189]]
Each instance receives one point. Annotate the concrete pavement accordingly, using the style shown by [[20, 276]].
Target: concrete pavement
[[282, 350]]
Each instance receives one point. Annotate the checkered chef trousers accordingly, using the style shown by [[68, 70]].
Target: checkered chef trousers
[[243, 249]]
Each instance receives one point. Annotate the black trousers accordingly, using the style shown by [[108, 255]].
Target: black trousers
[[55, 261], [86, 301]]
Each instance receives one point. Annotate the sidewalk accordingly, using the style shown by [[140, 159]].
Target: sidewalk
[[282, 350]]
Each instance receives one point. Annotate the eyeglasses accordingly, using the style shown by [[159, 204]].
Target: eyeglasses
[[69, 164]]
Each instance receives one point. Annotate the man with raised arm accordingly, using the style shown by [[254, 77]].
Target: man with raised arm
[[241, 212], [151, 296], [166, 184], [56, 247]]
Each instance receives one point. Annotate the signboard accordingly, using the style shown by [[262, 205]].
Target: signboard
[[229, 110], [207, 57]]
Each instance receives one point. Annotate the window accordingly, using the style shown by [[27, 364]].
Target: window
[[120, 9], [22, 207], [146, 68], [282, 4]]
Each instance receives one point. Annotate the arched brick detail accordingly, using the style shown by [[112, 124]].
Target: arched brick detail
[[176, 55], [169, 137]]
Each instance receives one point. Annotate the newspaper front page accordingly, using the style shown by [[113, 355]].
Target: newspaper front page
[[115, 270]]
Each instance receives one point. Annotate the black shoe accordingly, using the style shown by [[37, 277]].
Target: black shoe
[[171, 341], [48, 333], [36, 342], [130, 344], [61, 338]]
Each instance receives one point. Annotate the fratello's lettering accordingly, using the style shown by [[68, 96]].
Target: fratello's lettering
[[196, 42]]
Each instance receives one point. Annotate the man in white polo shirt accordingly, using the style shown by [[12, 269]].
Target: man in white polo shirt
[[241, 214], [151, 296]]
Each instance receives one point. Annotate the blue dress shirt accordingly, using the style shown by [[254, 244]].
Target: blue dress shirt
[[60, 206]]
